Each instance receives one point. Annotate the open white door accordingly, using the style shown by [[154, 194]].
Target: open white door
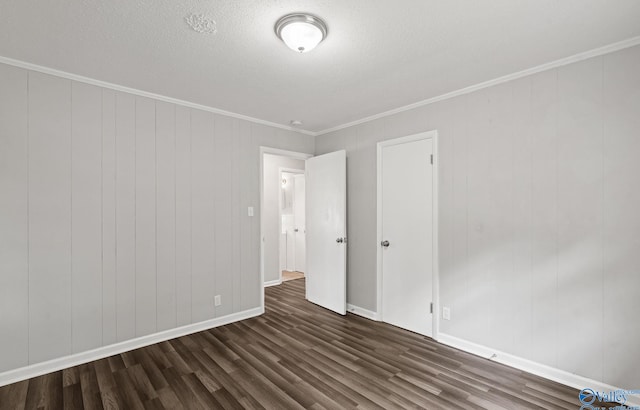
[[326, 210]]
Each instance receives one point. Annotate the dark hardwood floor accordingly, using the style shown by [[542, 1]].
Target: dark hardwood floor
[[297, 355]]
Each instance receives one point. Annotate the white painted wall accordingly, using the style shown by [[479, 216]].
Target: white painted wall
[[539, 227], [272, 235], [120, 216]]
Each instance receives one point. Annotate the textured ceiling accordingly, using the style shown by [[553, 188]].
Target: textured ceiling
[[379, 54]]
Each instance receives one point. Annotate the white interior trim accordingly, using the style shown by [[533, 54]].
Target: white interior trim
[[436, 267], [284, 153], [275, 282], [610, 48], [548, 372], [38, 369], [436, 238], [357, 310], [634, 41], [111, 86]]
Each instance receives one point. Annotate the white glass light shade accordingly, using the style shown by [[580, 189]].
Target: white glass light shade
[[301, 37], [301, 32]]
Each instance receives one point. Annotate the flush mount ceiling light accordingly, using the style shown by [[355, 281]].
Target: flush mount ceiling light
[[301, 32]]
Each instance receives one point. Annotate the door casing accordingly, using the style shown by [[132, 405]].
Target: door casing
[[274, 151], [433, 135]]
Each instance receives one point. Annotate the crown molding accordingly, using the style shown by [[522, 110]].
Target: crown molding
[[633, 41], [115, 87]]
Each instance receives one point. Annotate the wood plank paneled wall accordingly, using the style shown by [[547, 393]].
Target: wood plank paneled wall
[[539, 245], [120, 216]]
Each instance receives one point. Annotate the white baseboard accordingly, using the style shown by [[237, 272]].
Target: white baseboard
[[357, 310], [49, 366], [273, 283], [548, 372]]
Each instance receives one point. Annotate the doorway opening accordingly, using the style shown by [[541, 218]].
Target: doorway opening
[[278, 172], [292, 224], [324, 230]]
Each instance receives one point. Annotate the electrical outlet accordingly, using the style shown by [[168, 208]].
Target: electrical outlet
[[217, 300], [446, 313]]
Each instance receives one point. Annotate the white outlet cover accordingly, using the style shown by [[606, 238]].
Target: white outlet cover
[[446, 313]]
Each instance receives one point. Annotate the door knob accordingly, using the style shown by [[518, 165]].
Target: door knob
[[295, 230], [385, 244], [339, 240]]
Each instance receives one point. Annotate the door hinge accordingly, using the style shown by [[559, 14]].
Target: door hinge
[[431, 159], [431, 308]]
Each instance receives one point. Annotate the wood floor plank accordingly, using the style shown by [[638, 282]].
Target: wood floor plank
[[226, 400], [297, 355], [72, 397], [89, 386], [53, 395], [111, 399], [333, 390], [169, 399], [14, 396], [130, 396], [204, 396], [185, 395]]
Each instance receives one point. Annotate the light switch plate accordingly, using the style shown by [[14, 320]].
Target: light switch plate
[[250, 211]]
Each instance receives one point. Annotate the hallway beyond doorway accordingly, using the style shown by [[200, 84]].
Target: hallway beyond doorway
[[289, 275]]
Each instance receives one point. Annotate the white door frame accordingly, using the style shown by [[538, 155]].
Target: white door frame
[[433, 135], [284, 153], [280, 171]]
